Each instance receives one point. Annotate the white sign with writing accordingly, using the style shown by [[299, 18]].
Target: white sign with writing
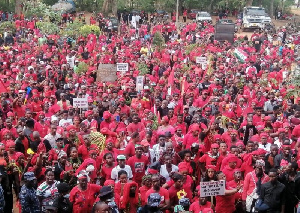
[[202, 61], [139, 83], [212, 188], [122, 67], [80, 102]]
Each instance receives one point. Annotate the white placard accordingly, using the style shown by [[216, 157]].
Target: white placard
[[139, 83], [202, 61], [212, 188], [122, 67], [80, 102]]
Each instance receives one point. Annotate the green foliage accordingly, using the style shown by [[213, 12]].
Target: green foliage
[[143, 69], [47, 27], [190, 48], [7, 7], [293, 83], [7, 25], [72, 29], [35, 8], [82, 68], [41, 10], [158, 40], [87, 29], [49, 2]]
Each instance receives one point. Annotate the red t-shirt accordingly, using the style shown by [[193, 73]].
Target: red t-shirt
[[83, 200], [196, 208], [189, 139], [130, 149], [225, 203], [132, 127], [106, 172], [138, 166], [162, 192]]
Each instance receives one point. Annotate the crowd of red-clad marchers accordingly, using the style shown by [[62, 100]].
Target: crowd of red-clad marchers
[[228, 118]]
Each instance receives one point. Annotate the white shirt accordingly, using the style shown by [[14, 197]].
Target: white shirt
[[65, 122], [265, 147], [52, 139], [114, 172], [158, 150], [164, 172]]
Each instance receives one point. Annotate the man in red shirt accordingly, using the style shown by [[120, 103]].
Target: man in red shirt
[[136, 125], [165, 200], [200, 205], [124, 108], [138, 164]]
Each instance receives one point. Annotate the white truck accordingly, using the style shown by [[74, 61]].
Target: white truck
[[254, 18]]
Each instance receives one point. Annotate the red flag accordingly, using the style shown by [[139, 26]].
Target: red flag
[[171, 79], [2, 87]]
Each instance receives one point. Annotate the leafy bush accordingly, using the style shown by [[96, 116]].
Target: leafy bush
[[72, 29], [143, 69], [158, 40], [82, 68], [47, 27], [87, 29], [8, 25]]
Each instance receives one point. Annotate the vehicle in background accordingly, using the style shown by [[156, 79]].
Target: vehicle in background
[[203, 16], [267, 18], [228, 21], [115, 24], [253, 18], [192, 13], [162, 14]]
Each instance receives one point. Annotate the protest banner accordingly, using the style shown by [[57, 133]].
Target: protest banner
[[80, 103], [107, 72], [212, 188], [139, 83], [122, 67]]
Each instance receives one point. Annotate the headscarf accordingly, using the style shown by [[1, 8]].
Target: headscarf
[[126, 199]]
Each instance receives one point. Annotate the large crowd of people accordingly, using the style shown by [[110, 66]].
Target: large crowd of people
[[206, 111]]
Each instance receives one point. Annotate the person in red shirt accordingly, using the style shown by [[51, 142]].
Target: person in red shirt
[[200, 205], [165, 199], [84, 194], [130, 148], [174, 189], [135, 126], [146, 185], [212, 157], [138, 164], [83, 150], [225, 203], [192, 137], [124, 108], [237, 180], [230, 168]]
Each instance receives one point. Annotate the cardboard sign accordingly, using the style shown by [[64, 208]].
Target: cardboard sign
[[139, 83], [212, 188], [107, 72], [122, 67], [80, 102]]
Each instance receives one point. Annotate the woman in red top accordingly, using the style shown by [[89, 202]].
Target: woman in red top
[[131, 198], [146, 185], [83, 195], [107, 167], [226, 203]]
